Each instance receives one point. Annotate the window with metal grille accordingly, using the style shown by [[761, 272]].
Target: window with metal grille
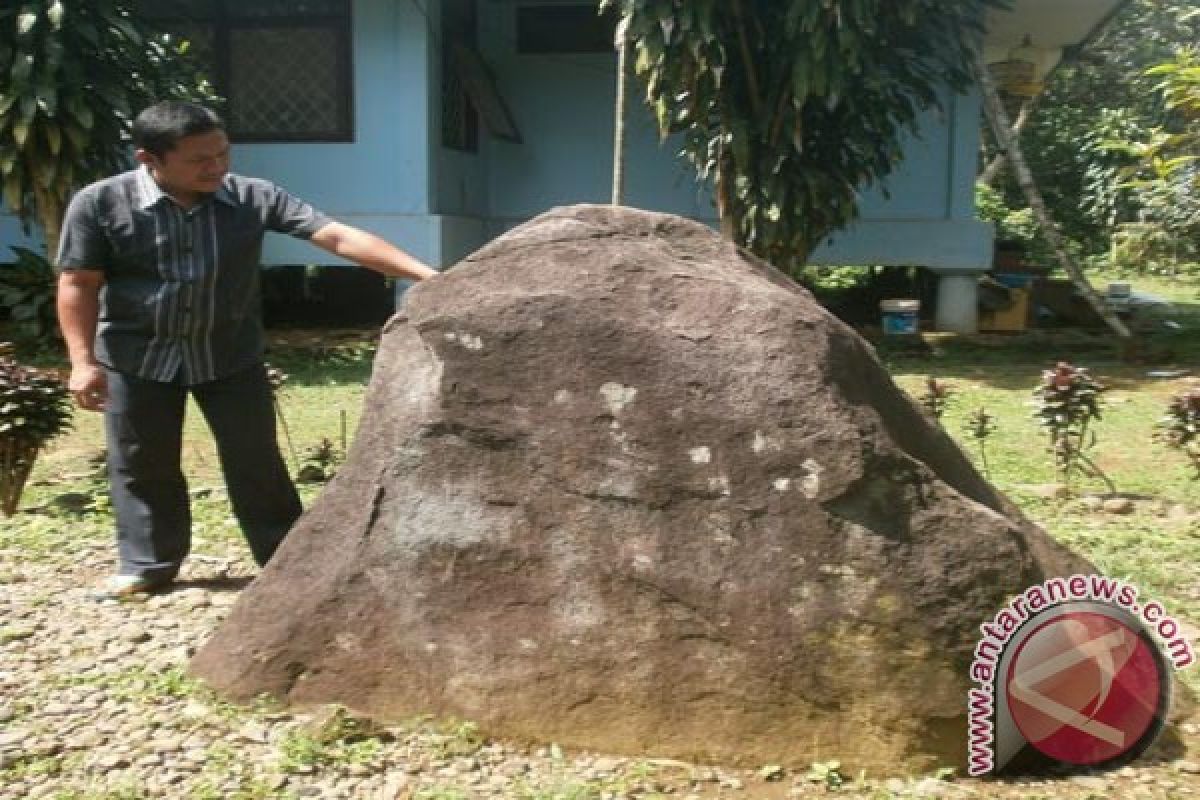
[[283, 67]]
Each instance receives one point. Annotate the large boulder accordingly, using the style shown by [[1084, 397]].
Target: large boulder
[[620, 485]]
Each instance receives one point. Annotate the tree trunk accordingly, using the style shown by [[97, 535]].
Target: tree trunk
[[17, 456], [618, 188], [993, 169], [49, 208], [726, 212], [1010, 147]]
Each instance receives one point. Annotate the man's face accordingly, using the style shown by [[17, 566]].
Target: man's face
[[197, 165]]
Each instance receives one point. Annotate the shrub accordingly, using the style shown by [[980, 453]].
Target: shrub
[[34, 408], [933, 400], [27, 296], [980, 425], [1180, 427], [1067, 402]]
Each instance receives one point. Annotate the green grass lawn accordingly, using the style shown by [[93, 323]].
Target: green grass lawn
[[1157, 547], [327, 380]]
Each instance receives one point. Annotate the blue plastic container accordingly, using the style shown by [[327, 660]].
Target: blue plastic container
[[1014, 280], [900, 316]]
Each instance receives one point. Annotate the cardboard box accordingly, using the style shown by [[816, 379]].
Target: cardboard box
[[1010, 320]]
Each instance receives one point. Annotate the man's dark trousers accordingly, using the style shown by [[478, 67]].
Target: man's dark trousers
[[144, 428]]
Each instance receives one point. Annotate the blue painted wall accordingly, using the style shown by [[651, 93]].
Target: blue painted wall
[[398, 181], [928, 215], [382, 180], [563, 107]]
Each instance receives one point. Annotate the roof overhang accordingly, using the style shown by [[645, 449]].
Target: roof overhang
[[1051, 26]]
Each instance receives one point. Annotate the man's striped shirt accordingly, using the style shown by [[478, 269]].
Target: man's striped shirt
[[181, 298]]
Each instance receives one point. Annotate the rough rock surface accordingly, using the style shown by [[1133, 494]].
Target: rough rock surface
[[619, 485]]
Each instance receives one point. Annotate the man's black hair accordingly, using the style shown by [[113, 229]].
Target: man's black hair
[[160, 127]]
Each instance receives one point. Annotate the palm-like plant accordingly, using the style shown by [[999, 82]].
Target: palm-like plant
[[27, 294], [34, 408], [72, 76]]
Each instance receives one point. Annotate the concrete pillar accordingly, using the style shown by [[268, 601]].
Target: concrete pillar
[[957, 302]]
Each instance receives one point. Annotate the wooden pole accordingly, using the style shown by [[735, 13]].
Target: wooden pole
[[618, 187], [1009, 146], [993, 169]]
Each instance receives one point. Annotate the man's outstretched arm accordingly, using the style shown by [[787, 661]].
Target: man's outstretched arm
[[370, 251]]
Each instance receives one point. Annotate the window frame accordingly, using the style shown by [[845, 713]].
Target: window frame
[[223, 24]]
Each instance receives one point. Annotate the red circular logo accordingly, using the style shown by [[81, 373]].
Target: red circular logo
[[1084, 688]]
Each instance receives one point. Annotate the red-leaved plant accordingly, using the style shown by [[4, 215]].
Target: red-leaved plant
[[1180, 427], [1067, 402], [34, 408], [934, 398]]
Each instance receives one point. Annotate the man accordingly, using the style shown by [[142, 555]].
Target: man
[[159, 298]]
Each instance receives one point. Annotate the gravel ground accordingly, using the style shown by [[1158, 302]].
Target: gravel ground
[[95, 703]]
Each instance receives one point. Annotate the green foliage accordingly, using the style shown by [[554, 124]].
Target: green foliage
[[320, 462], [27, 295], [979, 426], [299, 751], [831, 279], [793, 107], [246, 789], [1068, 402], [440, 793], [990, 206], [339, 738], [34, 408], [1166, 177], [277, 379], [1140, 248], [156, 685], [33, 767], [828, 773], [1107, 199], [456, 738], [73, 76], [127, 792], [1104, 99], [771, 772], [1015, 226], [566, 790], [1180, 427], [1179, 84], [143, 684], [933, 400]]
